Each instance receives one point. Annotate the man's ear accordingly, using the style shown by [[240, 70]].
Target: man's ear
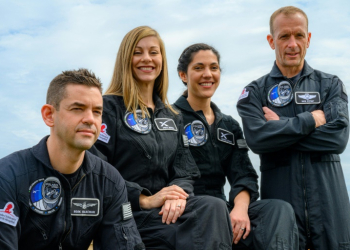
[[308, 39], [47, 112], [270, 41], [183, 76]]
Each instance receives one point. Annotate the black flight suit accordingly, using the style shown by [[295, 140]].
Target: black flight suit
[[152, 154], [40, 210], [300, 163], [224, 153]]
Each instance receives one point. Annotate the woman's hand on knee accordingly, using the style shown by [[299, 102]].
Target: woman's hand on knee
[[240, 223], [158, 199], [172, 210]]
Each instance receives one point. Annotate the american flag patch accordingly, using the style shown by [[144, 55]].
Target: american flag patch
[[127, 212], [185, 140]]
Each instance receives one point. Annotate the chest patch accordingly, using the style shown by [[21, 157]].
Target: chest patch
[[7, 215], [165, 124], [196, 133], [103, 134], [45, 195], [307, 98], [139, 124], [280, 94], [226, 136], [85, 207], [127, 212]]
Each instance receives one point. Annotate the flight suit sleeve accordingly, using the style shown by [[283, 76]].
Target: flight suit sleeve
[[239, 169], [118, 229], [333, 136], [9, 216], [184, 169], [269, 136]]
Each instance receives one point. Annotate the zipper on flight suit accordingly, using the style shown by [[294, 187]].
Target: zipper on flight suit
[[64, 228], [305, 200], [303, 171]]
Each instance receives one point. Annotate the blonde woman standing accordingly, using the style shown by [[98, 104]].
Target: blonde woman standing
[[143, 137]]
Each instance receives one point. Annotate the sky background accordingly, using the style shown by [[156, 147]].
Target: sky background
[[39, 39]]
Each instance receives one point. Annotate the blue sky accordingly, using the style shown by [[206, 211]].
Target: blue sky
[[39, 39]]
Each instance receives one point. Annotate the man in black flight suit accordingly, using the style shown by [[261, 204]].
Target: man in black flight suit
[[296, 118], [56, 195]]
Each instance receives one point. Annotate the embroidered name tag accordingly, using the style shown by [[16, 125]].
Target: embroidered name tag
[[127, 212], [241, 143], [7, 215], [226, 136], [85, 207], [307, 98], [165, 124]]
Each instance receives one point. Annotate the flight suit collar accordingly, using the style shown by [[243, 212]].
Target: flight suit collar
[[41, 153], [183, 104], [276, 73]]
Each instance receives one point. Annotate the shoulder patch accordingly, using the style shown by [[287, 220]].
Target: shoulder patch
[[244, 94], [127, 212], [241, 143], [85, 207], [7, 215], [225, 136], [164, 124], [103, 134]]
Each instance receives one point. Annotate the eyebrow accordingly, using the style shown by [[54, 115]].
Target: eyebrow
[[199, 63], [79, 104], [139, 47]]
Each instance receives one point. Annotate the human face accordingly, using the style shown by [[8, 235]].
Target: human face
[[290, 41], [147, 60], [203, 75], [77, 123]]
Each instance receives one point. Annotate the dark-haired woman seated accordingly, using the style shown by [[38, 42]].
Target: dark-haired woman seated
[[217, 144], [144, 138]]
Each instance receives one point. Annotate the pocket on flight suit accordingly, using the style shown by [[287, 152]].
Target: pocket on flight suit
[[125, 233], [344, 246]]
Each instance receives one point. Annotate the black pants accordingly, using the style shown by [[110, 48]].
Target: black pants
[[205, 224], [273, 226]]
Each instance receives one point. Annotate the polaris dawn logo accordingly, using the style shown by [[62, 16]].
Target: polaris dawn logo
[[45, 195], [139, 124], [281, 94], [196, 133]]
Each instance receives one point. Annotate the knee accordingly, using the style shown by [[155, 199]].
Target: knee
[[213, 204], [281, 208]]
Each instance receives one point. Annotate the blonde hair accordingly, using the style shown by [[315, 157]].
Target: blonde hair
[[123, 82], [287, 11]]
